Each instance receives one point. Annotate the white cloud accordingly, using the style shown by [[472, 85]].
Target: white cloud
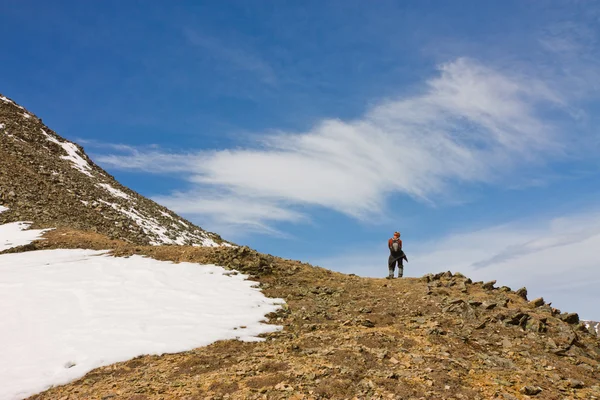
[[229, 214], [555, 258], [574, 53], [470, 124]]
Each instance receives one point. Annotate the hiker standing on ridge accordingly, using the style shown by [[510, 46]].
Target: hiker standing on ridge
[[396, 256]]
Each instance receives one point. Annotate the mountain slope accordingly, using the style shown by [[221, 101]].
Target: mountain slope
[[344, 337], [52, 182]]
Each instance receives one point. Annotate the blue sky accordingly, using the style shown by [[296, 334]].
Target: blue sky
[[313, 130]]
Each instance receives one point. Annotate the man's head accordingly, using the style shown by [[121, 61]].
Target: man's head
[[396, 234]]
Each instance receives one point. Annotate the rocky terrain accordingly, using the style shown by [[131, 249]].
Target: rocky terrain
[[441, 336], [593, 326], [52, 182], [344, 337]]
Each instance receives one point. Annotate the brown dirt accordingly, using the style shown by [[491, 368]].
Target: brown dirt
[[356, 338]]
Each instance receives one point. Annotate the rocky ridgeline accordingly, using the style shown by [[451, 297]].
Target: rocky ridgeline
[[52, 182], [526, 321], [441, 336]]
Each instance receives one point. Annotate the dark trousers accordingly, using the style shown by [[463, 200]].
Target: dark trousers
[[392, 261]]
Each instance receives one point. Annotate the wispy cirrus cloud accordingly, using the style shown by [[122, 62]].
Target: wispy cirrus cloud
[[469, 124], [233, 55]]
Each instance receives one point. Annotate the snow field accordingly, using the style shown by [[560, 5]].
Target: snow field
[[66, 312], [14, 234]]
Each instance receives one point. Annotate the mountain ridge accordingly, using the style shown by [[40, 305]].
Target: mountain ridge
[[51, 181]]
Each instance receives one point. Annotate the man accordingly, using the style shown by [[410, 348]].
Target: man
[[396, 256]]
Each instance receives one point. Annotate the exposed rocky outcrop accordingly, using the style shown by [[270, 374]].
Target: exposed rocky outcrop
[[52, 182]]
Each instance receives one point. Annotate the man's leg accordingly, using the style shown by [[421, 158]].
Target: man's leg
[[400, 269], [391, 267]]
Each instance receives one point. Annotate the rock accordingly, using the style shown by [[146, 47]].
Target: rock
[[537, 302], [436, 331], [392, 375], [570, 318], [367, 323], [489, 305], [483, 324], [536, 325], [574, 383], [522, 293], [489, 285], [519, 319], [530, 390]]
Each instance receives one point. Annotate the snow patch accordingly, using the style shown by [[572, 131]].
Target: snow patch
[[15, 234], [2, 209], [2, 126], [113, 191], [71, 311], [4, 99], [79, 162], [164, 214], [594, 325], [26, 115]]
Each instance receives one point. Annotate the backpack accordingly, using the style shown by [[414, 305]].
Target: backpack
[[396, 245]]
